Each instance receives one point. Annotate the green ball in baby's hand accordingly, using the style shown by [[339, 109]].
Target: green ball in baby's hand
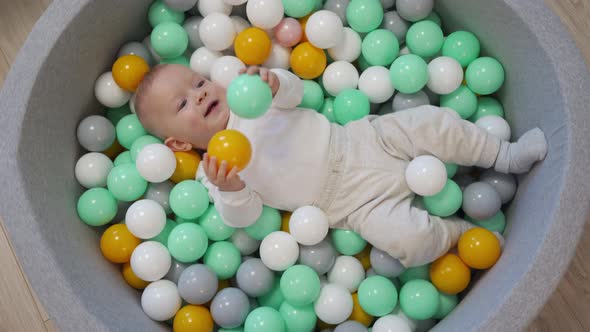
[[248, 96]]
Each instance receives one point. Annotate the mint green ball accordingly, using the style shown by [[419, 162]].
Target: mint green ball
[[268, 222], [300, 285], [446, 304], [248, 96], [129, 129], [487, 106], [417, 272], [123, 158], [445, 203], [347, 242], [181, 220], [223, 258], [179, 60], [462, 101], [264, 319], [424, 38], [495, 224], [350, 105], [298, 8], [169, 40], [484, 75], [116, 114], [328, 109], [274, 298], [189, 199], [377, 296], [165, 233], [187, 242], [409, 73], [140, 143], [451, 169], [419, 299], [362, 62], [125, 183], [380, 47], [313, 95], [462, 46], [97, 207], [159, 12], [214, 226], [298, 318], [364, 15]]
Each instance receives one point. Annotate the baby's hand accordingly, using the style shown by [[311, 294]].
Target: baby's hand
[[220, 177], [266, 75]]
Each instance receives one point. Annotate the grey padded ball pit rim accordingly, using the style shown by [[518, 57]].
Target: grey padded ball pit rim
[[50, 89]]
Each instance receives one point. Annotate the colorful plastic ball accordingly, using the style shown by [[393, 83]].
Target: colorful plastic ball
[[169, 40], [176, 269], [162, 237], [495, 224], [484, 75], [108, 93], [426, 175], [451, 168], [444, 75], [128, 71], [223, 258], [487, 106], [328, 109], [309, 225], [308, 61], [300, 285], [349, 48], [129, 129], [264, 319], [145, 218], [415, 272], [396, 24], [391, 323], [385, 265], [156, 163], [445, 203], [125, 183], [364, 15], [274, 298], [230, 307], [192, 318], [136, 48], [340, 76], [179, 60], [244, 242], [180, 5], [338, 7], [131, 279], [347, 242], [278, 57], [213, 225], [446, 304], [265, 14], [191, 26], [160, 193], [249, 96], [202, 59], [254, 278], [505, 184], [324, 29], [425, 38], [252, 46], [150, 261], [217, 31], [187, 242], [479, 248], [187, 163], [147, 42], [279, 251], [116, 114], [117, 244], [402, 101], [225, 69], [462, 46], [160, 300], [92, 170], [380, 47], [313, 95], [189, 199], [358, 314], [481, 201], [350, 326], [350, 105], [414, 10], [268, 222], [288, 32], [320, 257], [419, 299], [197, 284], [298, 8], [298, 318], [208, 7], [334, 305], [377, 296], [347, 271], [462, 101], [159, 12], [97, 207], [449, 274], [496, 126], [140, 143], [409, 73], [375, 83]]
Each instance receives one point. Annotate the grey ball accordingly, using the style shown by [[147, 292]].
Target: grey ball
[[319, 257], [396, 24], [370, 273], [244, 242], [414, 10], [96, 133], [176, 269], [350, 326], [181, 5], [338, 7], [197, 284], [191, 26], [505, 184], [386, 4], [384, 264], [254, 278], [432, 96], [160, 192], [147, 42], [230, 307], [385, 108], [463, 180], [481, 201], [403, 101], [136, 48]]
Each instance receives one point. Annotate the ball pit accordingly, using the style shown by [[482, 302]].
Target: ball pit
[[30, 88]]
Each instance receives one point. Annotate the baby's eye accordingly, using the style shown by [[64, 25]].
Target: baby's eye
[[200, 84], [182, 104]]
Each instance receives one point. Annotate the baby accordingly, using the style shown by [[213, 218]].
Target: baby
[[354, 173]]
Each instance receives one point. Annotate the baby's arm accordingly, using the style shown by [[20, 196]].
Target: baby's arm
[[287, 88]]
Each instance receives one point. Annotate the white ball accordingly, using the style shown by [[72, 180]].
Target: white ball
[[92, 170], [145, 218], [225, 69], [265, 14], [279, 57], [496, 126], [108, 92], [375, 83], [348, 272], [309, 225], [339, 76], [132, 103], [202, 60], [404, 51], [324, 29], [235, 2], [217, 31], [160, 300], [334, 305], [150, 261], [391, 323], [240, 24], [426, 175], [349, 48], [207, 7], [279, 250], [444, 75], [156, 163]]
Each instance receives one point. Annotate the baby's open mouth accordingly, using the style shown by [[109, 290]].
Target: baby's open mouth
[[211, 107]]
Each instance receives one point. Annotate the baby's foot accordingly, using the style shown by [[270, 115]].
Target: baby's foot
[[519, 157]]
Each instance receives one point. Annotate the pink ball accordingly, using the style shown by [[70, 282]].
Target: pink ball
[[288, 32]]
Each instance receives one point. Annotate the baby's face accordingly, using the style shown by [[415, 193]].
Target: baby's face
[[183, 105]]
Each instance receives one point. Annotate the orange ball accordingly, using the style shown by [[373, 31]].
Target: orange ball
[[114, 150], [303, 22], [193, 318], [132, 279], [117, 243], [365, 257], [358, 313], [449, 274], [187, 163], [285, 217], [232, 146], [308, 61], [479, 248], [129, 70], [252, 46]]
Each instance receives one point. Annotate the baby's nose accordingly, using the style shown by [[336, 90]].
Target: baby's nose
[[201, 96]]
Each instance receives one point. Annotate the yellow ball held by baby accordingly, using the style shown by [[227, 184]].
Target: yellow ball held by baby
[[232, 146]]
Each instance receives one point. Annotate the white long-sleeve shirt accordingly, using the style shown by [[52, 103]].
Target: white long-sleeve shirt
[[289, 157]]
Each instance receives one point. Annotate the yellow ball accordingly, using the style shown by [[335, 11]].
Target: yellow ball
[[114, 150], [308, 61], [449, 274], [252, 46], [365, 257], [193, 318], [358, 313], [232, 146], [303, 22], [117, 243], [479, 248], [132, 279], [128, 71], [187, 163], [286, 216]]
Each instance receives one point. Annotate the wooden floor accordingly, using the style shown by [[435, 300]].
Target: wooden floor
[[567, 310]]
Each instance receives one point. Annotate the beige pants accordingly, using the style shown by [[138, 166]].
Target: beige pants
[[366, 189]]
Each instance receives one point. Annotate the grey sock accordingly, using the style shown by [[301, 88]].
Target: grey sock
[[519, 157]]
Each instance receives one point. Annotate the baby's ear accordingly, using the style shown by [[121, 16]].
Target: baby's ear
[[177, 145]]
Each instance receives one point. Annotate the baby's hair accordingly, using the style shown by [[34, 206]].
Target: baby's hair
[[144, 86]]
